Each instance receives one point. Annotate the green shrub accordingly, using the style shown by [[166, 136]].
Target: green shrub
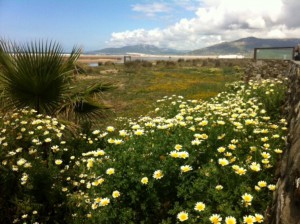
[[213, 159], [34, 160], [170, 64], [195, 161], [109, 63]]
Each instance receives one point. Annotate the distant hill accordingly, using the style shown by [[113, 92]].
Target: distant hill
[[244, 46], [140, 49]]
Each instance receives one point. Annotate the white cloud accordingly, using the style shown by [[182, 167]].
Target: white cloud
[[257, 22], [151, 9], [216, 21], [189, 5]]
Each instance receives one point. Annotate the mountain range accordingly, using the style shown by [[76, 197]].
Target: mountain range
[[244, 46], [138, 49]]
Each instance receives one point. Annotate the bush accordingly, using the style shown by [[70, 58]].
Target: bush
[[213, 159], [34, 156], [181, 60], [109, 63], [170, 64], [196, 161]]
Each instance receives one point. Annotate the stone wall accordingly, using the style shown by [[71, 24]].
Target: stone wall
[[263, 69], [286, 205]]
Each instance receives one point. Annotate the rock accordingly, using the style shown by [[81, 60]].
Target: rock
[[286, 203]]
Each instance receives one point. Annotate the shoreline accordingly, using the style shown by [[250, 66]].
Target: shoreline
[[86, 58]]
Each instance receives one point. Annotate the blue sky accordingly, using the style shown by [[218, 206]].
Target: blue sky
[[179, 24]]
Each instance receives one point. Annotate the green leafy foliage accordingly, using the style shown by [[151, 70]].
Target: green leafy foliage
[[35, 74], [221, 153], [201, 161], [40, 76], [31, 177]]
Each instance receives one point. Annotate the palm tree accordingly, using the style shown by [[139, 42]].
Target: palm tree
[[39, 75]]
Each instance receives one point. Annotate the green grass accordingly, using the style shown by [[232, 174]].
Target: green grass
[[138, 87]]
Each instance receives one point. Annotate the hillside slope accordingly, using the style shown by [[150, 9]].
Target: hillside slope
[[140, 49], [244, 46]]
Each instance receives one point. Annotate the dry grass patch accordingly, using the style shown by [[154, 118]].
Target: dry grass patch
[[138, 89]]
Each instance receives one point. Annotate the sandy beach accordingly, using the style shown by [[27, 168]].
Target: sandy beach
[[88, 59], [93, 59]]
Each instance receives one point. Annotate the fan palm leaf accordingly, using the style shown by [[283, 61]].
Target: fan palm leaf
[[35, 75], [82, 105], [38, 75]]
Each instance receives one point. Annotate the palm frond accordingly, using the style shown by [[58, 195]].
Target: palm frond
[[39, 76], [82, 109], [98, 88], [83, 102], [35, 74], [89, 110]]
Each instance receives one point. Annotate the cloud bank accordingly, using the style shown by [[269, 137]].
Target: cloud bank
[[215, 21]]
